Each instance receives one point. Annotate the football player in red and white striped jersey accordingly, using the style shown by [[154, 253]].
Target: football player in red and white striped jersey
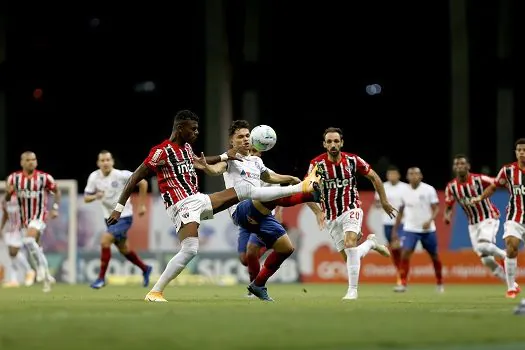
[[483, 217], [512, 177], [341, 207], [174, 163], [32, 187]]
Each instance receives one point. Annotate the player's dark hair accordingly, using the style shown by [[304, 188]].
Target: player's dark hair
[[238, 124], [393, 168], [104, 151], [519, 142], [332, 129], [461, 155], [184, 116]]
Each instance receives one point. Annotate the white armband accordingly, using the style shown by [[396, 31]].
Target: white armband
[[224, 157], [119, 207]]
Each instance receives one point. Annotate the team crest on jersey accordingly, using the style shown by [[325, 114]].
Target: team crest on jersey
[[350, 167], [114, 184], [184, 212]]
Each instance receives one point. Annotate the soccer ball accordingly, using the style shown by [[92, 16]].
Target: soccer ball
[[263, 138]]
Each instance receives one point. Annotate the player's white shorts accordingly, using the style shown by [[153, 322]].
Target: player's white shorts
[[514, 229], [194, 208], [13, 239], [38, 225], [350, 221], [485, 230]]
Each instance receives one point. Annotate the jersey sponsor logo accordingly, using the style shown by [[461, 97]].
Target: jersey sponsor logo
[[185, 167], [114, 184], [28, 193], [250, 175], [336, 183], [518, 190]]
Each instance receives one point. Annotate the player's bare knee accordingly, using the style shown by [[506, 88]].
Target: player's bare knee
[[106, 240], [243, 259], [512, 245], [123, 248], [13, 251], [351, 239], [191, 229], [252, 250], [406, 254]]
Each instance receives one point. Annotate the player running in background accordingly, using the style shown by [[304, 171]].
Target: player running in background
[[11, 226], [341, 206], [31, 187], [394, 188], [483, 217], [512, 177], [174, 163], [252, 216], [105, 185], [420, 207]]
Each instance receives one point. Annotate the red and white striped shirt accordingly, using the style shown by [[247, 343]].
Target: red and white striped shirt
[[175, 172], [513, 178], [464, 192], [340, 183], [12, 210], [32, 193]]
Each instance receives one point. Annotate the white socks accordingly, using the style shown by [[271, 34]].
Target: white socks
[[491, 249], [188, 250], [493, 266], [365, 247], [353, 265], [510, 271], [264, 194], [34, 252]]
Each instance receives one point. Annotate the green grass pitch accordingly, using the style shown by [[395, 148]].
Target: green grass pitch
[[302, 317]]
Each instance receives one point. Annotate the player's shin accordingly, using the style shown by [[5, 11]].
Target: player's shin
[[271, 265], [511, 265], [45, 264], [22, 262], [291, 201], [189, 249], [487, 248], [33, 251], [353, 265], [438, 269], [494, 267], [135, 260], [254, 266], [105, 257]]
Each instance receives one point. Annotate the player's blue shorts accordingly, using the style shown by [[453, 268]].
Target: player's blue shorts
[[246, 237], [428, 241], [388, 232], [120, 229], [266, 227]]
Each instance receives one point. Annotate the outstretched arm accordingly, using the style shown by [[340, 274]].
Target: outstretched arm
[[380, 189], [137, 176]]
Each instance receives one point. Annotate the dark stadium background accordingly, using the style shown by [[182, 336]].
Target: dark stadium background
[[315, 60]]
